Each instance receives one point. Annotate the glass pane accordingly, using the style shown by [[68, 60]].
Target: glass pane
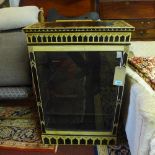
[[77, 89]]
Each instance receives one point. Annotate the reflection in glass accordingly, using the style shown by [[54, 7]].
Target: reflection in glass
[[77, 89]]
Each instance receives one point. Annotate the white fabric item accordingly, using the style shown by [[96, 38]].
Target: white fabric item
[[152, 152], [152, 146], [131, 124], [147, 109], [140, 126], [143, 48], [132, 74], [18, 17]]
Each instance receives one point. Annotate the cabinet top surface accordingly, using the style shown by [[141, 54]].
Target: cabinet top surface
[[80, 25]]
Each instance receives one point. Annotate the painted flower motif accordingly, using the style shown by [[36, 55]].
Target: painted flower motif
[[5, 133], [124, 151], [119, 150], [153, 72], [145, 67]]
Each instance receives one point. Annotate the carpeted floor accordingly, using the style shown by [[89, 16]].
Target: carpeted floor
[[113, 150], [19, 128], [20, 135]]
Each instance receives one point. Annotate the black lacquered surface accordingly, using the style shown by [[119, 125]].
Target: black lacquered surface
[[77, 89], [81, 25]]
